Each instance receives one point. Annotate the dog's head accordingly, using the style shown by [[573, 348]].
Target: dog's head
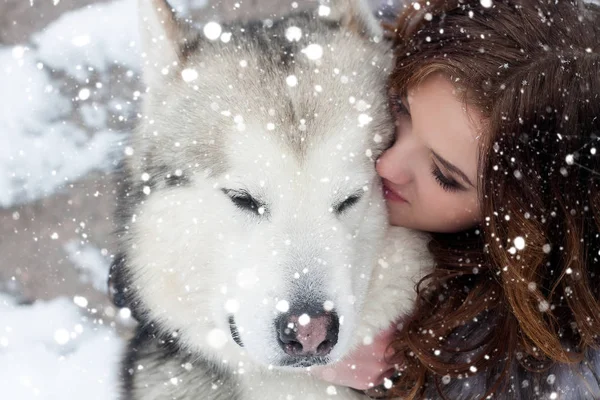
[[253, 211]]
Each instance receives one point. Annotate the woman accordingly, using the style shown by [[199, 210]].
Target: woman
[[497, 108]]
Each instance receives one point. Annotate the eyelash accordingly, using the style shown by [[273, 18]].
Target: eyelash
[[448, 184]]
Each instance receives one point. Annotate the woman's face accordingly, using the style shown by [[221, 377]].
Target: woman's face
[[430, 173]]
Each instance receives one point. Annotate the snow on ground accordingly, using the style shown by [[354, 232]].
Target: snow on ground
[[58, 79], [97, 36], [41, 145], [39, 148], [51, 350], [91, 262], [64, 348]]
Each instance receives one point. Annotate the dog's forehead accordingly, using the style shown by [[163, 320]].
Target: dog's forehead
[[296, 79], [336, 160]]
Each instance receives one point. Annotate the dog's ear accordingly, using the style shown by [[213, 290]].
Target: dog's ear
[[354, 15], [164, 39]]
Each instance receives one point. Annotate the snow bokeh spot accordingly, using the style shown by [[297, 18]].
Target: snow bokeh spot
[[570, 159], [80, 301], [125, 313], [61, 336], [282, 306], [216, 338], [324, 11], [304, 319], [519, 243], [232, 306], [364, 119], [84, 94], [212, 30], [313, 51], [189, 74], [543, 306], [328, 305], [293, 34], [387, 383], [291, 80], [225, 37]]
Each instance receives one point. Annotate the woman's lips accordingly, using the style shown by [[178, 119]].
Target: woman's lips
[[392, 195]]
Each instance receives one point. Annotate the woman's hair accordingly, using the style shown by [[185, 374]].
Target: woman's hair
[[523, 287]]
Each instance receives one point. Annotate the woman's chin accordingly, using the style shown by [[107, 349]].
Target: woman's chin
[[400, 215]]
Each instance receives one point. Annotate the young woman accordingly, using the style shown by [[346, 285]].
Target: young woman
[[497, 107]]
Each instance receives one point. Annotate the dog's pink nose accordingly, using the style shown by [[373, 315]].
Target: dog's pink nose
[[308, 336]]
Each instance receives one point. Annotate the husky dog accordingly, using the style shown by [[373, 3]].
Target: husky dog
[[253, 238]]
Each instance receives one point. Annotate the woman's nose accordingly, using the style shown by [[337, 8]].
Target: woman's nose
[[394, 165]]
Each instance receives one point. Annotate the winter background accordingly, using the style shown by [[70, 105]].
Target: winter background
[[69, 96]]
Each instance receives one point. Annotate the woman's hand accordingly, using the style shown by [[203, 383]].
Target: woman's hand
[[365, 367]]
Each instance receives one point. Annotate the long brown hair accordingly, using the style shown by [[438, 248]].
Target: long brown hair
[[523, 287]]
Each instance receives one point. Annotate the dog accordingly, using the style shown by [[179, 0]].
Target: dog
[[253, 240]]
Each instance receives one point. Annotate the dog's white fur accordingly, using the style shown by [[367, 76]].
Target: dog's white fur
[[194, 258]]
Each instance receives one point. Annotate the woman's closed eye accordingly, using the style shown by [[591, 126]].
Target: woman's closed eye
[[449, 184]]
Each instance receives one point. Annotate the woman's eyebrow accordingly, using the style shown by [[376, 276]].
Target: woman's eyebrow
[[452, 168]]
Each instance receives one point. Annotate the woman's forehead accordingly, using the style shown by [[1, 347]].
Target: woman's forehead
[[445, 123]]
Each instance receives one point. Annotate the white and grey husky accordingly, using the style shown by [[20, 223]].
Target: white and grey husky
[[253, 238]]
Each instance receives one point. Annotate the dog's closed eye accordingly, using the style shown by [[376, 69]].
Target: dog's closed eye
[[347, 203], [244, 201]]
